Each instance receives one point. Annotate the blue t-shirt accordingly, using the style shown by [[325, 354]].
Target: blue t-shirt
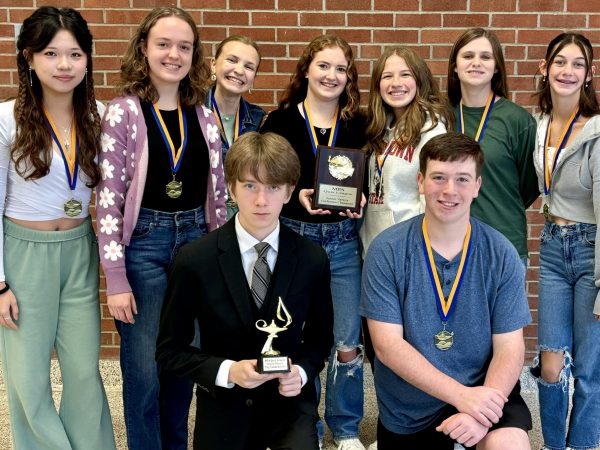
[[396, 288]]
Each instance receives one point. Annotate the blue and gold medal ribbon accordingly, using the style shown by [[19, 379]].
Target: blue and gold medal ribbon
[[379, 165], [445, 306], [311, 129], [549, 168], [237, 129], [69, 159], [487, 112], [175, 156]]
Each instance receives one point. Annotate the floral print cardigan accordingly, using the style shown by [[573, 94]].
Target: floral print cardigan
[[123, 161]]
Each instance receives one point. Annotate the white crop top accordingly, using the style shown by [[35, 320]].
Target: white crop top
[[41, 199]]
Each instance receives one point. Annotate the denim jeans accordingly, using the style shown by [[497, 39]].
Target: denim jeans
[[566, 324], [344, 395], [156, 239]]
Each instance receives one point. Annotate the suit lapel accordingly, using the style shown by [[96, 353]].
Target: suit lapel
[[230, 261]]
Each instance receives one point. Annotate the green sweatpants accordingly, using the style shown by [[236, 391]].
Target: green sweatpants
[[54, 276]]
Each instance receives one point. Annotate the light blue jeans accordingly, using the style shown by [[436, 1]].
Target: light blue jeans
[[344, 395], [154, 421], [566, 324]]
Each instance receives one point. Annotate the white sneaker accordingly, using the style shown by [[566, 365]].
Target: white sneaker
[[350, 444]]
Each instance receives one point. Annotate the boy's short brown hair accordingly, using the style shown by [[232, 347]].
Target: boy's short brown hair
[[268, 157], [451, 147]]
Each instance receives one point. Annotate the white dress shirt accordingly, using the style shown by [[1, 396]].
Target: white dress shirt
[[249, 256]]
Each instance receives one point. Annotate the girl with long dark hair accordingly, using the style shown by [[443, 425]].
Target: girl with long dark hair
[[49, 143], [567, 161]]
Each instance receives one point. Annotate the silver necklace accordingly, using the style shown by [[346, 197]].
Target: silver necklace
[[67, 136]]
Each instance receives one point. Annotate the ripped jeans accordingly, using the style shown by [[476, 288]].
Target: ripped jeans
[[344, 395], [566, 324]]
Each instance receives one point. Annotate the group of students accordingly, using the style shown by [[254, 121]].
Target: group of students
[[57, 143]]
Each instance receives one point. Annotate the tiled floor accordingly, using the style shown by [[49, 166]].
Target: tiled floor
[[112, 380]]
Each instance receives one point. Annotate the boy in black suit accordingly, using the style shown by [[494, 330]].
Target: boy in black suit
[[222, 282]]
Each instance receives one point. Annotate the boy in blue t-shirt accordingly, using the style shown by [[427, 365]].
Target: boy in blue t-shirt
[[445, 301]]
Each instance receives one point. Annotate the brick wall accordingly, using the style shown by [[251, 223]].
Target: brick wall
[[283, 27]]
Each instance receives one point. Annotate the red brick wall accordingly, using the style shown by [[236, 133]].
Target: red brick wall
[[283, 27]]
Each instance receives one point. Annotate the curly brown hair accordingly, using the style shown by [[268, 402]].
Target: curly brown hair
[[31, 151], [296, 91], [427, 103], [135, 73]]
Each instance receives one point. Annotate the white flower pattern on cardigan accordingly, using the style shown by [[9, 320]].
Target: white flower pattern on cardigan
[[107, 143], [114, 114], [109, 224], [107, 198], [113, 251]]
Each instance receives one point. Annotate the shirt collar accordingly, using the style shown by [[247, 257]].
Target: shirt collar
[[246, 241]]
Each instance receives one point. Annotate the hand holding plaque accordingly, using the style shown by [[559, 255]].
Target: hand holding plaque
[[270, 360], [339, 175]]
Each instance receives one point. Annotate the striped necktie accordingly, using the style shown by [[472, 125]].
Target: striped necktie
[[261, 274]]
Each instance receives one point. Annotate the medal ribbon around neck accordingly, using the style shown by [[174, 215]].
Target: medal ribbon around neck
[[237, 129], [445, 306], [69, 159], [175, 157], [335, 125], [562, 141], [393, 143], [487, 112]]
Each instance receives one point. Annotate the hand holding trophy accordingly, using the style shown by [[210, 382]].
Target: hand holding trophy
[[271, 360]]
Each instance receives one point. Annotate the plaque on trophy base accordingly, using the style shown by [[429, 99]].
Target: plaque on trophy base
[[270, 360], [273, 364]]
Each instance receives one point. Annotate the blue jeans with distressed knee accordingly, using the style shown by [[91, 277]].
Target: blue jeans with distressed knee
[[567, 294], [344, 394]]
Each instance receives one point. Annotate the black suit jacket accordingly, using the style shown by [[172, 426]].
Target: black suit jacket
[[208, 285]]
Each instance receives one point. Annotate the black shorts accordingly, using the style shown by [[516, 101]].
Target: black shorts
[[515, 415]]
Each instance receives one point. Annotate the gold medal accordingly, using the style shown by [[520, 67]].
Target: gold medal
[[445, 306], [72, 208], [546, 211], [174, 188], [444, 339]]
